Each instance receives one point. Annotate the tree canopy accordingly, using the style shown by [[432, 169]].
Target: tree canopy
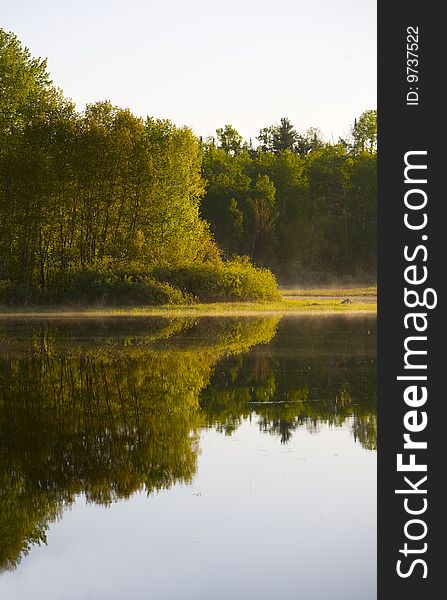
[[105, 187], [301, 206]]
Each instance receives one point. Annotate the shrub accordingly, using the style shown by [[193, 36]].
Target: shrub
[[236, 280], [100, 286], [116, 287], [110, 283], [20, 293]]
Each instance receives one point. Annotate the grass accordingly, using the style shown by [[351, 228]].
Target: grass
[[346, 292], [241, 308], [299, 305]]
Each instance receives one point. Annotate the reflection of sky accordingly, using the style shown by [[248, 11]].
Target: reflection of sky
[[261, 520]]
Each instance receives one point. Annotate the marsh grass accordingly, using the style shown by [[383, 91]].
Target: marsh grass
[[236, 308], [216, 309], [331, 292]]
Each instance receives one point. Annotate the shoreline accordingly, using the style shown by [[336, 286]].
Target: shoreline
[[221, 309]]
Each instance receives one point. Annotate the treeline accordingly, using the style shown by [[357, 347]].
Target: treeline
[[294, 203], [77, 188], [93, 202], [104, 205]]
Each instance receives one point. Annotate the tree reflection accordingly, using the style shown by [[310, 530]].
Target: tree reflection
[[312, 373], [106, 409]]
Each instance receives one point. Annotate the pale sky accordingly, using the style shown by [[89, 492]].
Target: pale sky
[[205, 63]]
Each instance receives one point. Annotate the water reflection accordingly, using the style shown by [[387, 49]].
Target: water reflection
[[313, 372], [109, 408]]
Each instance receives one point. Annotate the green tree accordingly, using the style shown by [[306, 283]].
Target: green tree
[[104, 188], [229, 140], [309, 141], [264, 214], [364, 132], [277, 138]]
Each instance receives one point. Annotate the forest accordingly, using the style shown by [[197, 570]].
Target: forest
[[300, 206], [102, 205]]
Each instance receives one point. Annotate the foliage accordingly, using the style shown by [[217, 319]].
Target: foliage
[[112, 284], [300, 206], [81, 188], [75, 188], [364, 133], [107, 283], [20, 293], [234, 280]]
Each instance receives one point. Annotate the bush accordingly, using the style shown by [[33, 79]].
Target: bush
[[109, 283], [94, 286], [237, 280], [120, 286], [20, 293]]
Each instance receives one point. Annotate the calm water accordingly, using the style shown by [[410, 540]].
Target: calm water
[[188, 459]]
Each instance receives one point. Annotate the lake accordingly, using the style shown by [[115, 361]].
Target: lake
[[188, 458]]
